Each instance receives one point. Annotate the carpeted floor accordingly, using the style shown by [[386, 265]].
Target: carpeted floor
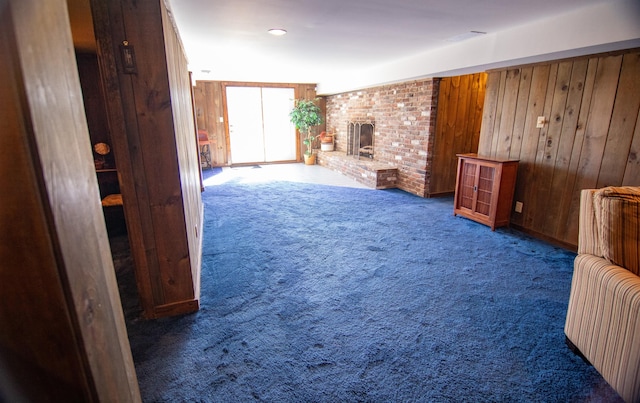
[[316, 293]]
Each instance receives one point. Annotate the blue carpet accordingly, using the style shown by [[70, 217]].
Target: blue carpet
[[326, 294]]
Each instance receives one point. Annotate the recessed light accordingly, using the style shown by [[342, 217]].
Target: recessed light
[[277, 31]]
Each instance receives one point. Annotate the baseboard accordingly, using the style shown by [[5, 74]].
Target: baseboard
[[176, 308]]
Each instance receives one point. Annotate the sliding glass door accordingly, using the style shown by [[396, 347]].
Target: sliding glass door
[[259, 126]]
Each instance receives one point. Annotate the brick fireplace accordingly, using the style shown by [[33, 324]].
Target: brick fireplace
[[360, 139], [403, 127]]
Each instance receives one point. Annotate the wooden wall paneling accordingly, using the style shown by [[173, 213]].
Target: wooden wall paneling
[[187, 150], [460, 129], [107, 25], [541, 171], [632, 170], [198, 99], [159, 240], [221, 140], [149, 281], [489, 113], [495, 136], [509, 109], [603, 98], [572, 188], [547, 215], [521, 112], [460, 108], [74, 345], [525, 190], [562, 184], [195, 134], [156, 129], [443, 141], [476, 106], [212, 111], [623, 121], [37, 340]]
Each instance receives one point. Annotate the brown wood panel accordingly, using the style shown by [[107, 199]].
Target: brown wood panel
[[509, 109], [476, 108], [562, 179], [443, 135], [462, 129], [37, 340], [210, 113], [107, 26], [495, 137], [548, 165], [521, 112], [489, 113], [570, 233], [597, 128], [62, 323], [187, 150], [525, 188], [591, 139], [623, 122], [632, 171], [460, 109], [156, 129], [155, 149], [541, 171]]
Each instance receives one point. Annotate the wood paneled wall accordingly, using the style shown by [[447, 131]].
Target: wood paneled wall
[[459, 117], [591, 137], [211, 113], [63, 335], [155, 148], [186, 143]]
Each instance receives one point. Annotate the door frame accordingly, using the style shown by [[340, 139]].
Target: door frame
[[225, 110]]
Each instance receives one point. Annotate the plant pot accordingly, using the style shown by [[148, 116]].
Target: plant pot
[[310, 159], [326, 146]]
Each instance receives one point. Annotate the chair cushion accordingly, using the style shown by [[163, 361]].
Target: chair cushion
[[618, 215], [112, 200]]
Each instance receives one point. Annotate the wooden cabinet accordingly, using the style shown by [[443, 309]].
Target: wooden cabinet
[[484, 189]]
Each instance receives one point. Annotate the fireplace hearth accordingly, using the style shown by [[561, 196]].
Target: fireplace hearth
[[360, 139]]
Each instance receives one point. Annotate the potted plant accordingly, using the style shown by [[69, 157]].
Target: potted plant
[[305, 115]]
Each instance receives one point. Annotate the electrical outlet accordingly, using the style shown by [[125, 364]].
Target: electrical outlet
[[540, 122], [519, 206]]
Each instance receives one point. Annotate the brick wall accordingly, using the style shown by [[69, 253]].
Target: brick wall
[[405, 122]]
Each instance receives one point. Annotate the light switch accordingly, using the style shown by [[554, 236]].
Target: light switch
[[541, 121]]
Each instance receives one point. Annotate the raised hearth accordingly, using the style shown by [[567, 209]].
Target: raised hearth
[[370, 173]]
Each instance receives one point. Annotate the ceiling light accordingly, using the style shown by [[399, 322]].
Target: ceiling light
[[277, 31]]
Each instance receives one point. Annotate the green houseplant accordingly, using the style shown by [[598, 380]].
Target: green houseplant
[[305, 115]]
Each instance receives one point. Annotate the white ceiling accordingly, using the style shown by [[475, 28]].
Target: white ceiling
[[229, 37], [349, 44]]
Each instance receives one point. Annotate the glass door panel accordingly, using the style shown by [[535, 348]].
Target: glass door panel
[[279, 132], [244, 108], [259, 126]]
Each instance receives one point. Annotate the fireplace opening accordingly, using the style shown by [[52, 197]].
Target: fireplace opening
[[360, 139]]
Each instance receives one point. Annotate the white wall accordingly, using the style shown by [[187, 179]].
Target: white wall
[[603, 27]]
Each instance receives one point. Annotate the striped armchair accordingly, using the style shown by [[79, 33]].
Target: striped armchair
[[603, 317]]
